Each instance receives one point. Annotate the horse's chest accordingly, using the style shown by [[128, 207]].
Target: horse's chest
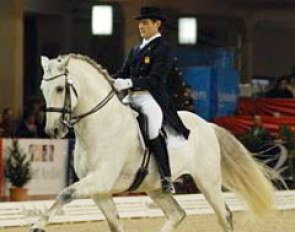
[[81, 163]]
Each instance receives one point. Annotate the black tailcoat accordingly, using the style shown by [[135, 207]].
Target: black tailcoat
[[149, 68]]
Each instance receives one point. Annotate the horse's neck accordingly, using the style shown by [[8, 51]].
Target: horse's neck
[[104, 125], [93, 87]]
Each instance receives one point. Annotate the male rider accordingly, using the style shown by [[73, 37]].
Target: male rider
[[144, 74]]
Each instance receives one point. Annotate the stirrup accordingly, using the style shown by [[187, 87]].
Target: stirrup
[[167, 186]]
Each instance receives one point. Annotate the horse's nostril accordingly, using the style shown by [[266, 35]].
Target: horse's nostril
[[55, 131]]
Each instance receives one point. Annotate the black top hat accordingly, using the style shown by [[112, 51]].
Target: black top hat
[[150, 12]]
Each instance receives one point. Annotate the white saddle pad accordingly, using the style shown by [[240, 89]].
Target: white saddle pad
[[174, 140]]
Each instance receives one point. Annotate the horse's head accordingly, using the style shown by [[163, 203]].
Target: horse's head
[[59, 93], [63, 84]]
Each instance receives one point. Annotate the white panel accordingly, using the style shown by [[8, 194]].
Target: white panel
[[102, 20], [187, 30], [49, 164]]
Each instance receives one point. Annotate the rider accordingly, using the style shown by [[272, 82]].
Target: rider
[[144, 74]]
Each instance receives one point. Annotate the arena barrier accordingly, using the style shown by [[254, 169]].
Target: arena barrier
[[25, 213], [49, 159]]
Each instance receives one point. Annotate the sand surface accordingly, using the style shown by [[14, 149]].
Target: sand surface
[[284, 221]]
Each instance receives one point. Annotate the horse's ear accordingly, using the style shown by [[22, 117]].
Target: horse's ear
[[44, 61], [64, 63]]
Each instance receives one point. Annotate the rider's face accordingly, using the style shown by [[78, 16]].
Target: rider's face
[[148, 28]]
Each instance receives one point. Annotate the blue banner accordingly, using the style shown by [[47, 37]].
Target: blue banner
[[200, 81], [227, 87], [215, 91]]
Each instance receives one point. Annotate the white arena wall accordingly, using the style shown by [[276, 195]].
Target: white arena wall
[[24, 213]]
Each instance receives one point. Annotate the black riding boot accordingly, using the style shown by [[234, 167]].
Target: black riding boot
[[159, 148]]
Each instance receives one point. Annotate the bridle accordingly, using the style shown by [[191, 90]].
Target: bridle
[[67, 117]]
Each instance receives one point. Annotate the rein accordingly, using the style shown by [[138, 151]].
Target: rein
[[67, 115]]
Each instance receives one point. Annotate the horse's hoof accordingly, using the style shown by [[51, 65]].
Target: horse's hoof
[[37, 230]]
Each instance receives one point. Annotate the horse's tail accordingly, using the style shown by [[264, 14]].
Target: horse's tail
[[243, 175]]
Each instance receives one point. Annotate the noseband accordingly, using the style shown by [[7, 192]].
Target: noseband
[[67, 117]]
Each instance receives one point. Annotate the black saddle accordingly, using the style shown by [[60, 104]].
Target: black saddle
[[143, 169]]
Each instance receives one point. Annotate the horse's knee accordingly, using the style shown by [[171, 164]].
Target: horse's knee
[[67, 195], [180, 217], [183, 215]]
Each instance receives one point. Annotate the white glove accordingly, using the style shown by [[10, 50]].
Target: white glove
[[122, 84]]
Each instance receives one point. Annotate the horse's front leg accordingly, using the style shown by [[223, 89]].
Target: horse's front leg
[[83, 188], [106, 204], [64, 197]]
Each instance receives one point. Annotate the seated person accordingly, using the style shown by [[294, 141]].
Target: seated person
[[259, 130], [280, 90], [258, 137], [1, 125], [8, 123], [27, 127], [291, 84]]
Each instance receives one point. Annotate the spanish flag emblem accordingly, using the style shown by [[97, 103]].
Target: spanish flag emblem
[[147, 60]]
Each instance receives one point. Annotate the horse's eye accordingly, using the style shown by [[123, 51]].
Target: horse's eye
[[58, 60], [59, 89]]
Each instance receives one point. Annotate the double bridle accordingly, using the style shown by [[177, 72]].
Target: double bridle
[[67, 115]]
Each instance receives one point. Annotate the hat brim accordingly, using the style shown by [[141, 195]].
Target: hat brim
[[161, 18]]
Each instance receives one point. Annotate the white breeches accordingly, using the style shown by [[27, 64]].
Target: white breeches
[[146, 104]]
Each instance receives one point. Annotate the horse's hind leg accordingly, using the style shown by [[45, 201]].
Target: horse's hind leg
[[108, 208], [213, 194], [172, 210]]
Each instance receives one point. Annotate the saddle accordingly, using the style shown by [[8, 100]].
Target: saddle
[[171, 139], [143, 137], [143, 127]]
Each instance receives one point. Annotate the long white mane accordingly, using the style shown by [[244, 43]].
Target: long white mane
[[92, 62]]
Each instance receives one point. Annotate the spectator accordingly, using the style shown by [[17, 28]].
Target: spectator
[[40, 123], [35, 105], [280, 90], [291, 84], [258, 130], [1, 125], [27, 127], [9, 124], [258, 137]]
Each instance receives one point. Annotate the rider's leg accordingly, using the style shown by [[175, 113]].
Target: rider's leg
[[154, 114], [159, 148]]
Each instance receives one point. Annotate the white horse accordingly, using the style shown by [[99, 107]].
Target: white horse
[[108, 151]]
